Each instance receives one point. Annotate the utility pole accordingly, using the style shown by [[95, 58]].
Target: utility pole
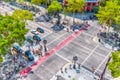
[[101, 77]]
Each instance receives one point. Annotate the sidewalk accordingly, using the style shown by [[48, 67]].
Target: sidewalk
[[117, 78], [74, 74]]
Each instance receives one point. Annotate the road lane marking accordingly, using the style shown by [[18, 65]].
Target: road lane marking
[[36, 24], [63, 57], [106, 74], [90, 35], [47, 69], [84, 47], [102, 62], [89, 55], [56, 38], [47, 25], [6, 11], [29, 22], [51, 52], [47, 35]]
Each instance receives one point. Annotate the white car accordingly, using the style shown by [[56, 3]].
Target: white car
[[34, 32]]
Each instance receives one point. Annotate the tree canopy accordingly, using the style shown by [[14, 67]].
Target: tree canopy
[[114, 65], [21, 1], [109, 14], [22, 15], [75, 5], [37, 2], [9, 0], [55, 6], [11, 31]]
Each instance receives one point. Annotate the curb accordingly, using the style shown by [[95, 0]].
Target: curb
[[58, 72], [95, 39]]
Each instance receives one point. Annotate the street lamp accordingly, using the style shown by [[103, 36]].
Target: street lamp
[[45, 49], [101, 77], [75, 58]]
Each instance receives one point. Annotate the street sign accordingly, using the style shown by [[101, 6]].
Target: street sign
[[45, 41], [75, 58]]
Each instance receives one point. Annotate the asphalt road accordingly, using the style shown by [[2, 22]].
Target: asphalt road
[[90, 54]]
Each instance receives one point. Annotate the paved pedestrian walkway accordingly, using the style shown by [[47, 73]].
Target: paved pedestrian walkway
[[67, 72]]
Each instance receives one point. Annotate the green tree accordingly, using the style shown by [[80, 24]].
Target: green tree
[[21, 1], [55, 7], [11, 31], [36, 2], [95, 9], [107, 14], [114, 65], [117, 22], [47, 2], [75, 5], [117, 18], [22, 15], [9, 0], [103, 2]]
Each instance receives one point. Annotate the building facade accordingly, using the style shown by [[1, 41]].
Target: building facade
[[89, 4]]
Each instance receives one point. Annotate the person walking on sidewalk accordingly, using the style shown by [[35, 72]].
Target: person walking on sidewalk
[[66, 70], [79, 65], [67, 29], [61, 70], [70, 66]]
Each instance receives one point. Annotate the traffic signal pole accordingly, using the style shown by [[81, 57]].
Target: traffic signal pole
[[102, 75]]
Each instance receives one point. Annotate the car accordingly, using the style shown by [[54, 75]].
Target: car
[[40, 30], [34, 32], [17, 48], [37, 37], [29, 55]]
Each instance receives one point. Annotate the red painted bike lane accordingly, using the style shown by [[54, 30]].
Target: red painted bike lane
[[51, 52]]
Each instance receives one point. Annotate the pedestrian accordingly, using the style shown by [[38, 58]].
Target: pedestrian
[[93, 69], [102, 26], [74, 66], [70, 66], [67, 29], [61, 70], [86, 22], [66, 70], [40, 50], [93, 20], [100, 30], [99, 40], [79, 65], [84, 19], [31, 72], [58, 77]]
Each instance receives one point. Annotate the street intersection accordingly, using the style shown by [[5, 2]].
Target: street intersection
[[89, 53]]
